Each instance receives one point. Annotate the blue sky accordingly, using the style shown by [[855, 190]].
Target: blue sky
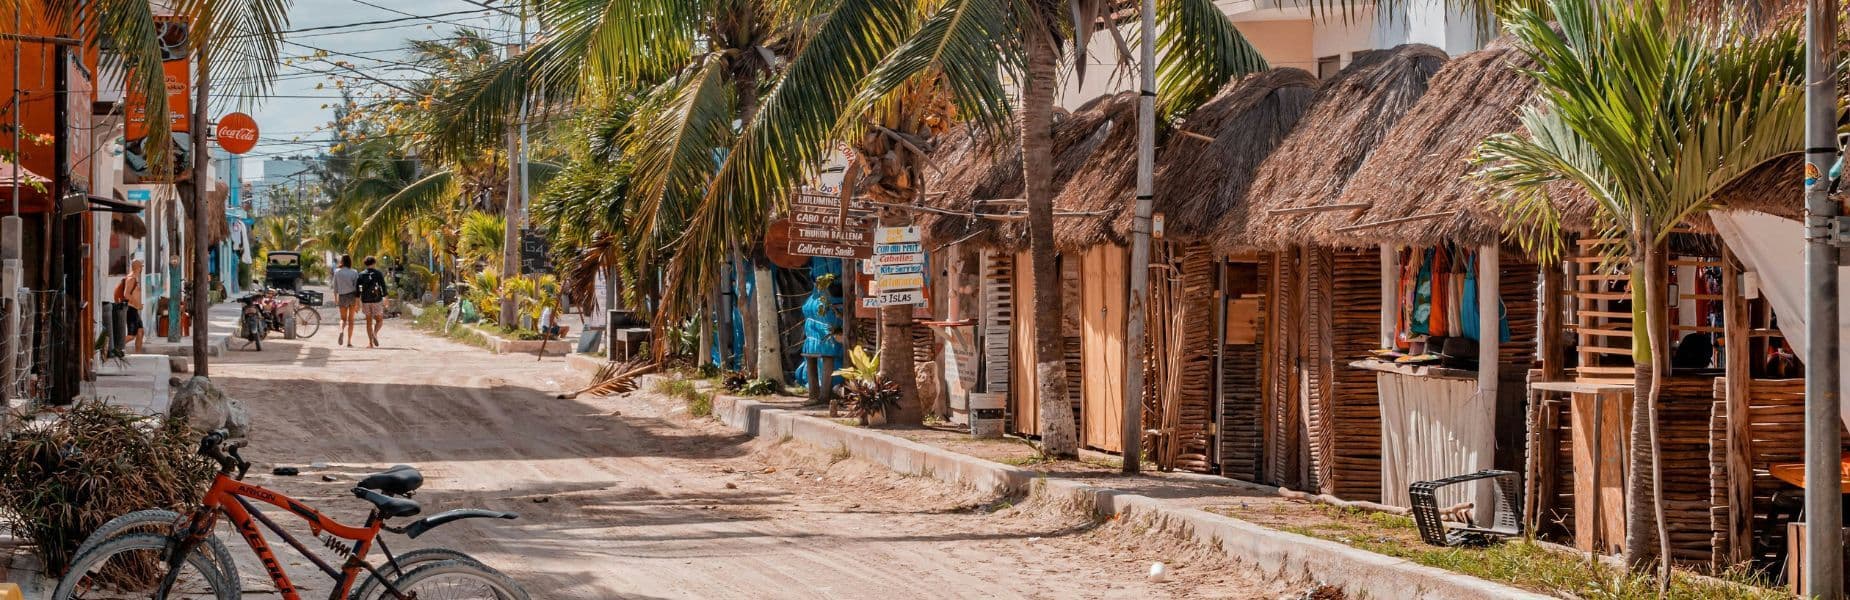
[[288, 119]]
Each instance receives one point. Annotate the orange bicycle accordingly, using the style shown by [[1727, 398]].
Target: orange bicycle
[[160, 554]]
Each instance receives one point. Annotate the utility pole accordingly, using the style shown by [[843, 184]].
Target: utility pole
[[1824, 541], [201, 179], [1140, 245]]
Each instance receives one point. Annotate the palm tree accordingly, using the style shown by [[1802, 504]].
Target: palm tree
[[1649, 116]]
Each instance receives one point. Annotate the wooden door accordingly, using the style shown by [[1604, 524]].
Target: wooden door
[[1605, 453], [1103, 300], [1023, 407]]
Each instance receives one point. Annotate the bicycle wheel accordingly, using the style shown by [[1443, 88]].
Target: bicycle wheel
[[130, 567], [307, 322], [373, 588], [159, 521], [458, 580]]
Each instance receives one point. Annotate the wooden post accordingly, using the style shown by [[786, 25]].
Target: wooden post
[[1739, 371], [1390, 297], [1541, 457], [1489, 337]]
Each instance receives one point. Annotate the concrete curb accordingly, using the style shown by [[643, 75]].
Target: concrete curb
[[503, 345], [1361, 574]]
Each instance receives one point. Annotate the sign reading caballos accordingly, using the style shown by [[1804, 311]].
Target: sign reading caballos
[[237, 133]]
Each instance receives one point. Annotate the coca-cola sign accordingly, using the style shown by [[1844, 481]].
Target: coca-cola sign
[[236, 133]]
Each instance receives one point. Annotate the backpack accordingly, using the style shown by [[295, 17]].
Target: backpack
[[371, 286]]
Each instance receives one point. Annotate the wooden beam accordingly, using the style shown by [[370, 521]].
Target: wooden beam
[[1319, 208], [1209, 139], [1386, 222], [1738, 363]]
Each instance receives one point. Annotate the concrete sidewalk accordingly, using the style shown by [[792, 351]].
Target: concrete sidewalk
[[1359, 573]]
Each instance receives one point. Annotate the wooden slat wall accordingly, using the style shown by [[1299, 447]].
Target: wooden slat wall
[[1280, 376], [1776, 436], [1557, 522], [1242, 439], [1071, 330], [1181, 365], [998, 298], [1518, 283], [1345, 307], [1684, 415]]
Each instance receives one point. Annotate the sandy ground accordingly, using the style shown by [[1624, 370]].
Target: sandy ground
[[628, 497]]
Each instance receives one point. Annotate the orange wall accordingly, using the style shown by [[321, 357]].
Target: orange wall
[[1282, 43], [37, 97]]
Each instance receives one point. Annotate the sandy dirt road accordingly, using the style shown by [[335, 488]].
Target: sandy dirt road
[[628, 497]]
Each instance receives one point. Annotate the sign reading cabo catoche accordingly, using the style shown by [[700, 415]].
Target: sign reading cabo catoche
[[237, 133]]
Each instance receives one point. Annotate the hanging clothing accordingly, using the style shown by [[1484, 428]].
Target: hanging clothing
[[1422, 296], [1440, 321]]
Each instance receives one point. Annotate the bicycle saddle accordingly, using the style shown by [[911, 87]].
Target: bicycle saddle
[[396, 481], [389, 507]]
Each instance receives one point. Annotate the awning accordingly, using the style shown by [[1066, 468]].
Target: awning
[[9, 173], [74, 204]]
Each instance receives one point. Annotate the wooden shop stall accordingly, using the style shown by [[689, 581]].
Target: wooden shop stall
[[1731, 408], [1319, 294], [1204, 168], [1451, 330], [974, 226]]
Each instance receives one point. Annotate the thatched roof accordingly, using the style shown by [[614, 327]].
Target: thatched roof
[[1422, 166], [1347, 120], [1197, 180], [972, 168]]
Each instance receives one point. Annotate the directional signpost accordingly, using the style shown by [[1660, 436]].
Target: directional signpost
[[821, 226], [898, 267]]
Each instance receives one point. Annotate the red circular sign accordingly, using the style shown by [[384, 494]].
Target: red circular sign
[[237, 133]]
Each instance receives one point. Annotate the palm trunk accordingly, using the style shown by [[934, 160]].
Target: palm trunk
[[770, 359], [896, 347], [1657, 314], [1058, 438], [1644, 535]]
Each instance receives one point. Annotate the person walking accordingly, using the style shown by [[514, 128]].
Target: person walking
[[347, 297], [128, 293], [371, 285]]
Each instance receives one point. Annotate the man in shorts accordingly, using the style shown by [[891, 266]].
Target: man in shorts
[[371, 286], [347, 292], [128, 293]]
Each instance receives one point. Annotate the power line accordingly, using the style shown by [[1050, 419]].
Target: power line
[[363, 23]]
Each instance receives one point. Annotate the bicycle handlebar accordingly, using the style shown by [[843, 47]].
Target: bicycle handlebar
[[213, 446]]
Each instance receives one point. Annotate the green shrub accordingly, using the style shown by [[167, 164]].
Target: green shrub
[[62, 481]]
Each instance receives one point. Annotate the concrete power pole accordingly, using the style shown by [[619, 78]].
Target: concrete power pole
[[1824, 542], [1140, 246]]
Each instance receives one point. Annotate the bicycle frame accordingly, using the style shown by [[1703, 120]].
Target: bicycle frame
[[227, 496]]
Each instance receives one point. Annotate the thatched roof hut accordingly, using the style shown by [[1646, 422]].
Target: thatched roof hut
[[1347, 120], [1417, 185], [972, 169], [1197, 179]]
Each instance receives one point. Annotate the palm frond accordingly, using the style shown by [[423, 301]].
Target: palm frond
[[675, 145], [971, 45], [1199, 51], [787, 137], [246, 42], [388, 217]]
